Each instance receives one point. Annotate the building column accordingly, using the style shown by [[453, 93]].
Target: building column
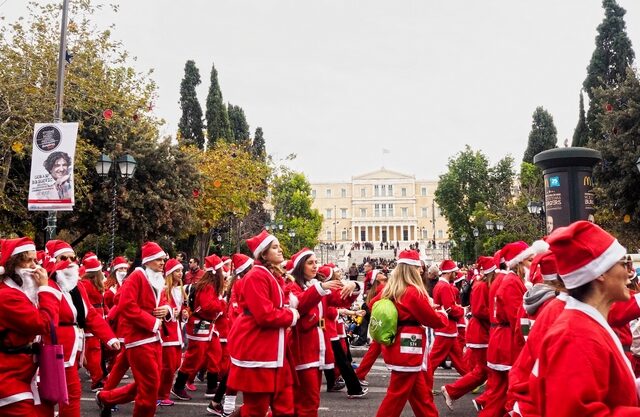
[[353, 231]]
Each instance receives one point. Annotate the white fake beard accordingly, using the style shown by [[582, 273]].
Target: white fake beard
[[67, 279], [526, 274], [29, 287], [156, 279]]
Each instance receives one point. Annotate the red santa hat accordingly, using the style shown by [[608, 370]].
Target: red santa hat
[[516, 252], [171, 266], [119, 262], [12, 247], [498, 258], [288, 266], [459, 277], [152, 251], [42, 258], [226, 260], [297, 257], [326, 271], [409, 257], [89, 255], [56, 248], [448, 266], [240, 262], [91, 264], [487, 264], [212, 263], [548, 267], [583, 252], [259, 243]]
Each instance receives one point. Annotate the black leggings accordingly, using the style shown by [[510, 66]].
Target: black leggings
[[346, 370]]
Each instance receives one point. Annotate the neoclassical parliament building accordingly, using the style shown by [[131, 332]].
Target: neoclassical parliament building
[[380, 206]]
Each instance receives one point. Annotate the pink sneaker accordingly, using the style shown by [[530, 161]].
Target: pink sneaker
[[165, 403], [191, 386]]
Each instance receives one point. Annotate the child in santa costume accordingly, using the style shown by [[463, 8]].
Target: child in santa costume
[[77, 315], [257, 341], [406, 357], [28, 308], [143, 316], [172, 340]]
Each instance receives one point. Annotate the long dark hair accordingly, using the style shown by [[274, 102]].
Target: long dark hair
[[12, 264], [298, 271], [275, 269], [96, 278], [214, 278]]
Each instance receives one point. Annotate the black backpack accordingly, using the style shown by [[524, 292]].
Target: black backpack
[[465, 293], [191, 298]]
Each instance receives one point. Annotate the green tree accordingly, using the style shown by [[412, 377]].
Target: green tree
[[190, 127], [609, 62], [239, 126], [258, 148], [543, 135], [218, 126], [292, 203], [581, 133]]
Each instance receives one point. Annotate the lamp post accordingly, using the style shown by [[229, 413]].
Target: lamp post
[[126, 167], [476, 233], [536, 208], [463, 239], [292, 236]]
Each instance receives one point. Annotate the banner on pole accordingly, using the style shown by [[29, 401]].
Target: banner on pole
[[51, 182]]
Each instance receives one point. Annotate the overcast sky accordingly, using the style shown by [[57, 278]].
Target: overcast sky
[[337, 81]]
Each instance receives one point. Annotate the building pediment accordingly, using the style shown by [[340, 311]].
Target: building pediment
[[383, 174]]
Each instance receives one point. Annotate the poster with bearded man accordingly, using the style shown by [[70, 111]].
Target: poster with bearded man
[[51, 182]]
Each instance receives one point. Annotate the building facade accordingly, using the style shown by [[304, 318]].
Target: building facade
[[380, 206]]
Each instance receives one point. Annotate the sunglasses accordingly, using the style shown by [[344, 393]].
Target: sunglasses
[[68, 258]]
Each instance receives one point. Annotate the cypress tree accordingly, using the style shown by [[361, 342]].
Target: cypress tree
[[190, 127], [581, 134], [239, 126], [217, 118], [258, 147], [543, 134]]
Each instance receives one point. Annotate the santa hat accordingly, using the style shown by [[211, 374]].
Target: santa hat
[[151, 251], [56, 248], [212, 263], [516, 252], [548, 267], [119, 262], [92, 264], [297, 257], [42, 258], [240, 262], [226, 260], [326, 271], [583, 252], [409, 257], [448, 266], [487, 264], [259, 243], [12, 247], [498, 258], [89, 255], [171, 266], [459, 277], [288, 266]]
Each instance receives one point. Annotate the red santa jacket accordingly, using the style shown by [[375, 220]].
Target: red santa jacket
[[478, 328], [257, 338], [96, 299], [207, 308], [138, 299], [109, 296], [492, 350], [332, 324], [444, 296], [621, 313], [191, 278], [583, 371], [70, 336], [407, 353], [20, 323], [235, 300], [173, 332], [519, 393], [112, 316]]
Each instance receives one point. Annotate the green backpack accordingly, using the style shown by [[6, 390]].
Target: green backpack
[[383, 324]]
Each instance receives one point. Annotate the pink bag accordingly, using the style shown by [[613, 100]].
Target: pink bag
[[53, 380]]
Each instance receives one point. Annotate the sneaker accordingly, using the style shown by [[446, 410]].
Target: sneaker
[[359, 395], [200, 376], [215, 409], [105, 411], [125, 376], [364, 382], [165, 403], [210, 393], [98, 386], [447, 398], [191, 386], [479, 389], [477, 405], [181, 394], [336, 387]]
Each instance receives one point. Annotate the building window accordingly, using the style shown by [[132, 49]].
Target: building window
[[329, 237], [405, 212], [329, 213], [390, 190], [425, 212], [376, 210], [403, 192], [390, 210], [439, 212], [376, 190], [363, 192], [343, 193], [329, 192], [440, 234], [423, 191], [313, 193], [384, 210], [425, 234], [383, 191], [363, 212], [343, 213], [344, 235]]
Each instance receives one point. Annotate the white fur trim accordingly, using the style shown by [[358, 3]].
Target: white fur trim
[[153, 257], [263, 245], [23, 248], [51, 290], [537, 247], [488, 271], [443, 271], [244, 266], [413, 262], [98, 268], [173, 269], [299, 257], [118, 266], [455, 281], [595, 268], [61, 251], [550, 277], [2, 270]]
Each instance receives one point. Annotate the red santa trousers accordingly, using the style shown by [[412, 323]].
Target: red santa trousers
[[146, 362], [368, 360], [307, 393], [119, 368], [200, 354], [74, 389], [443, 347], [408, 386], [23, 408], [473, 379], [93, 355], [171, 356], [256, 404], [495, 397]]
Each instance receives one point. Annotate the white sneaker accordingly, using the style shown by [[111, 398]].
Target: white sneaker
[[447, 399]]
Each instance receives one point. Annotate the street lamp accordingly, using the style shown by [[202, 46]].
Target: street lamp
[[499, 226], [126, 168], [638, 164], [536, 208], [489, 225], [292, 237]]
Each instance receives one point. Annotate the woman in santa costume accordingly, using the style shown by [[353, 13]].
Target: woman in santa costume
[[77, 315], [204, 346], [143, 316], [257, 341], [28, 308], [117, 273], [406, 357], [582, 369], [172, 340], [93, 282], [477, 335]]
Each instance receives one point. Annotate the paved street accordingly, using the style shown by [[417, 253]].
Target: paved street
[[332, 404]]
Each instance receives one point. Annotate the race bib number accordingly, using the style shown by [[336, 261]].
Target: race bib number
[[411, 343], [201, 327]]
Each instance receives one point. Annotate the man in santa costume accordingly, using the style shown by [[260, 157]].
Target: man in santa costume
[[142, 311], [28, 308]]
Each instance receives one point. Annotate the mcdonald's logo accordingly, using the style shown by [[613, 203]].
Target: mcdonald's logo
[[587, 181]]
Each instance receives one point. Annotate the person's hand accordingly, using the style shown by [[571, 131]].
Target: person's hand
[[115, 345], [347, 289], [360, 313], [331, 285], [62, 180], [175, 312], [40, 277], [161, 311]]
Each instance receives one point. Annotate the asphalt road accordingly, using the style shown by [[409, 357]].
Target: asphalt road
[[331, 405]]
